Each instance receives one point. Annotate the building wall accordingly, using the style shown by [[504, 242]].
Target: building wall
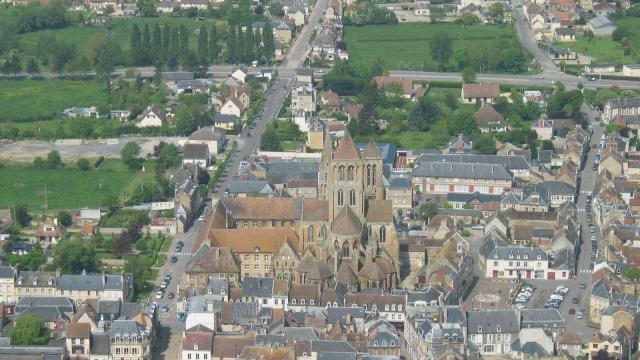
[[469, 186], [509, 268]]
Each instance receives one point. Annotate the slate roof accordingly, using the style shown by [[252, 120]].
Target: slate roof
[[462, 170], [206, 134], [7, 272], [280, 172], [297, 334], [121, 327], [327, 346], [400, 183], [249, 187], [195, 151], [487, 322], [624, 102], [219, 118], [264, 208], [92, 282], [513, 252], [541, 318], [257, 287], [510, 162]]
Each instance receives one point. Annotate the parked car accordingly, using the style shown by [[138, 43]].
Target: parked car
[[174, 259], [159, 294], [572, 311]]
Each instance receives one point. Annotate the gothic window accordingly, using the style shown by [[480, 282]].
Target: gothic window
[[350, 173], [340, 198], [368, 175], [311, 235], [383, 234], [345, 250], [373, 176], [341, 173], [369, 230], [323, 233], [352, 197]]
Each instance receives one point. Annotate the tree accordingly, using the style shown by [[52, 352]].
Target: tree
[[213, 45], [484, 144], [267, 42], [121, 245], [468, 75], [442, 48], [424, 113], [32, 261], [130, 152], [136, 46], [12, 63], [146, 45], [156, 45], [169, 156], [497, 13], [54, 160], [451, 100], [29, 330], [269, 140], [428, 210], [108, 10], [21, 214], [463, 123], [275, 9], [632, 274], [83, 164], [32, 67], [185, 121], [147, 8], [64, 218], [231, 46], [74, 257], [203, 46], [38, 163]]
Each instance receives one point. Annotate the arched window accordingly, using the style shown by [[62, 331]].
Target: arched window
[[341, 173], [383, 234], [352, 198], [368, 175], [340, 198], [369, 230], [323, 233], [350, 173], [311, 235], [345, 250], [373, 176]]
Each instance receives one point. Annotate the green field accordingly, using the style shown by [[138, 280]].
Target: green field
[[119, 30], [407, 46], [603, 50], [26, 100], [67, 188]]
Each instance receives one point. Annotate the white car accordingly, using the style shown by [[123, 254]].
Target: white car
[[159, 295], [163, 285]]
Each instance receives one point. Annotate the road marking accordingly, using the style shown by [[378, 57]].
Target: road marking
[[586, 271], [182, 254]]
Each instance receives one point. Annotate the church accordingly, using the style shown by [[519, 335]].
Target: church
[[346, 235]]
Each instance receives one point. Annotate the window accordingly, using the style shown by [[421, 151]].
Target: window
[[246, 267], [257, 257], [256, 267], [310, 234], [340, 198], [246, 258], [255, 224], [495, 263], [352, 198], [383, 234], [350, 173], [341, 173], [266, 257], [266, 267], [246, 224]]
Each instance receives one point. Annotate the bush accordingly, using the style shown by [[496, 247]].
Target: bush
[[83, 164]]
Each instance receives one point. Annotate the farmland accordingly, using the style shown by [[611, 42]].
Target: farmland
[[66, 187], [26, 100], [408, 46]]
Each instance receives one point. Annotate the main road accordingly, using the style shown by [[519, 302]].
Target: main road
[[168, 344]]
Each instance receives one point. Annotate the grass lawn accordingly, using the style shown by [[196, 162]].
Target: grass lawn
[[119, 30], [291, 145], [67, 188], [408, 46], [26, 100], [603, 50]]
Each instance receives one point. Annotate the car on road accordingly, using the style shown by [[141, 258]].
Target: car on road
[[575, 300], [165, 308], [171, 296], [181, 317], [174, 259], [163, 285], [477, 227], [572, 311], [583, 286], [159, 294], [252, 126], [179, 247], [579, 315]]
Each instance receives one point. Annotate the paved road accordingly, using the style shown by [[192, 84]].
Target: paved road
[[534, 80], [527, 40]]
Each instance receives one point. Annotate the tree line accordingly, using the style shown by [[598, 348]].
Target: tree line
[[250, 45]]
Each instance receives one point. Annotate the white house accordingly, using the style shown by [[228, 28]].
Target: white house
[[197, 343], [240, 75], [151, 117], [196, 154], [231, 107], [213, 138]]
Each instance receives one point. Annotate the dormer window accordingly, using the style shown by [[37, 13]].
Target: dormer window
[[50, 281], [302, 301], [311, 302], [499, 328], [479, 328], [195, 346], [293, 301], [223, 291], [495, 256], [510, 255], [526, 256], [539, 257], [35, 281], [20, 280]]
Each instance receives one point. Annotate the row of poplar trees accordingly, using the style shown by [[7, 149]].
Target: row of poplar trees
[[169, 46]]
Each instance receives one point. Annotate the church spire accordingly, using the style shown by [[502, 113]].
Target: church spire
[[346, 149], [371, 151]]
